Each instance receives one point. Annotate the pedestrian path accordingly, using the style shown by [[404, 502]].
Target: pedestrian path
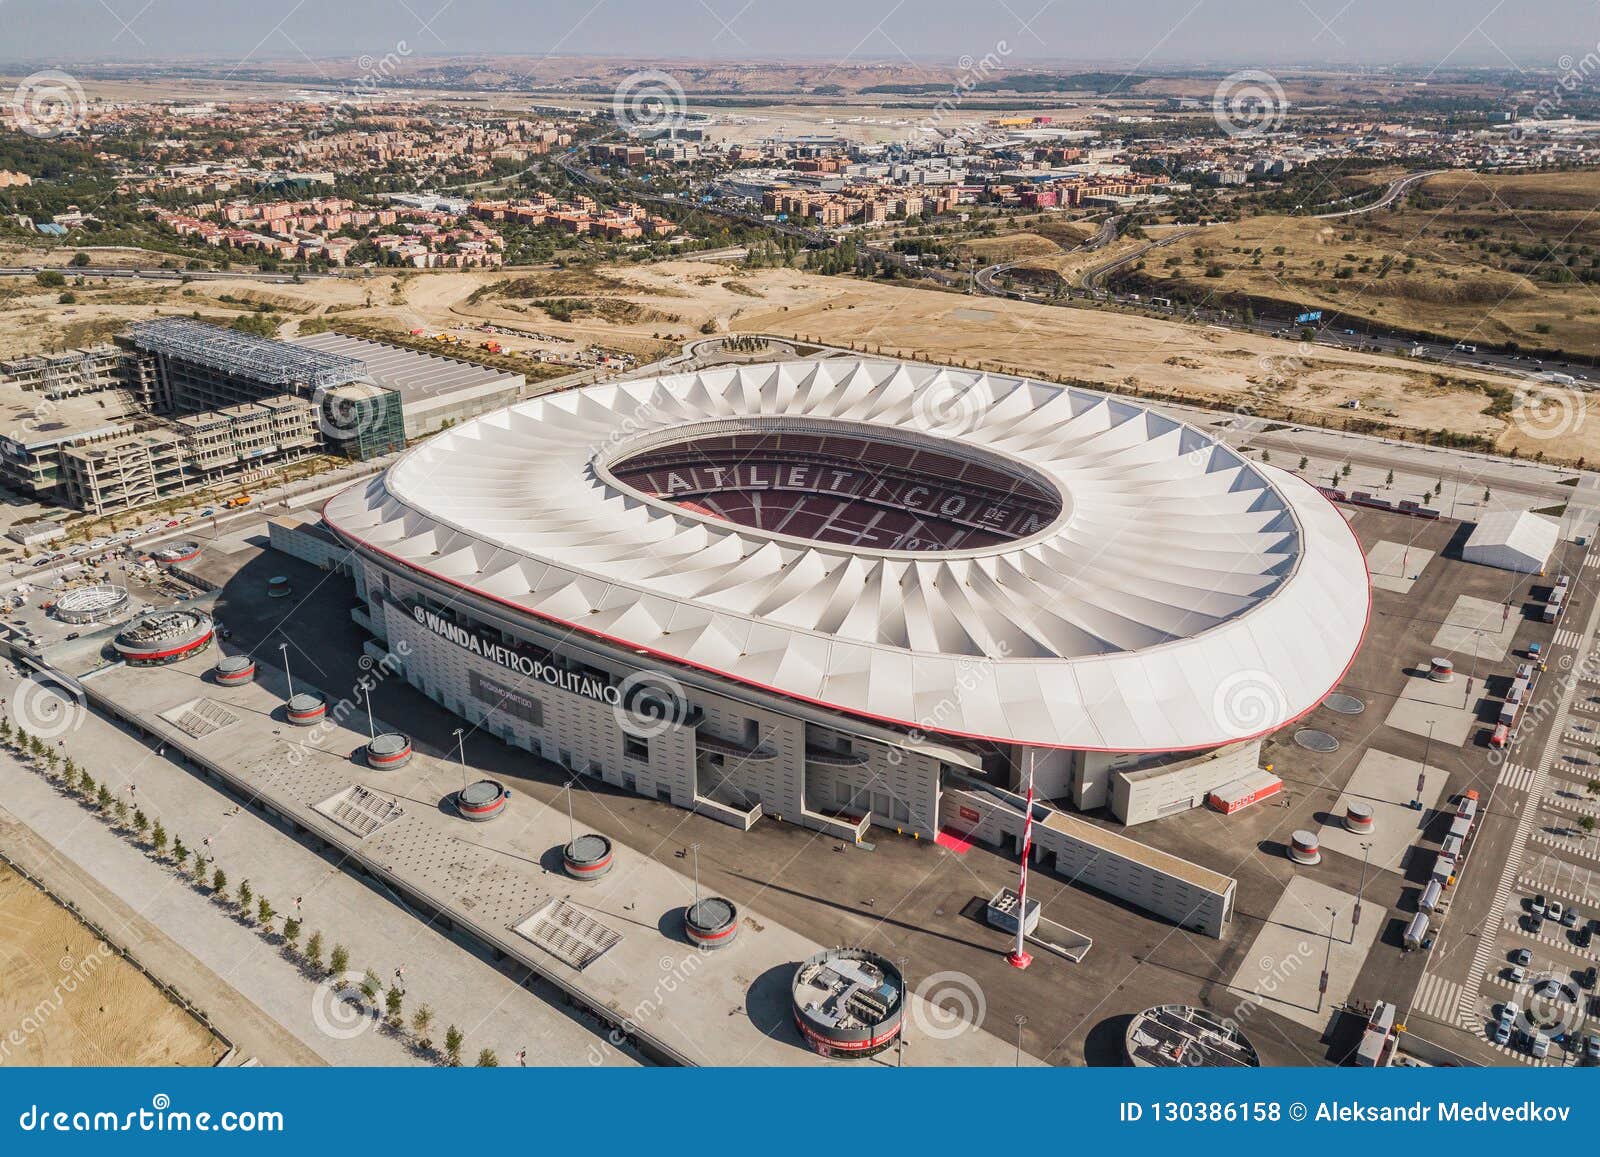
[[1516, 777]]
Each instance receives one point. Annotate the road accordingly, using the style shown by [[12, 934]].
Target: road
[[1396, 189]]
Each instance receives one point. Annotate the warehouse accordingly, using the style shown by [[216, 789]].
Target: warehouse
[[434, 391], [786, 591]]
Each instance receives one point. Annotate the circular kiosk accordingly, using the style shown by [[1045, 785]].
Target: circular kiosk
[[92, 604], [588, 857], [236, 670], [306, 709], [389, 751], [847, 1002], [1171, 1036], [1304, 849], [177, 552], [164, 637], [482, 800], [1358, 818], [278, 587], [1441, 670], [711, 922]]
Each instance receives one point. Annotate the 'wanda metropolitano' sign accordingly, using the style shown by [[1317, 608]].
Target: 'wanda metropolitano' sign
[[540, 665]]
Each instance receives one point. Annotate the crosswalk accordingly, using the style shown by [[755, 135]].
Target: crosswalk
[[1440, 999], [1592, 558], [1516, 777], [1568, 638]]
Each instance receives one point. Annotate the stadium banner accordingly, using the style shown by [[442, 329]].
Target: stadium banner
[[434, 1110]]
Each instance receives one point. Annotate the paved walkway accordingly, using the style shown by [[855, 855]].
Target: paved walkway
[[730, 1007], [492, 1009]]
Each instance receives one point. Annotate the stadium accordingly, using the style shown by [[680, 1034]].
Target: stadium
[[846, 592]]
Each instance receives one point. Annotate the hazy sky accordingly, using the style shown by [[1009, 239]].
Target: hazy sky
[[1528, 33]]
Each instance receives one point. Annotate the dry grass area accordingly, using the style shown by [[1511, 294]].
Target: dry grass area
[[1212, 367], [71, 1001], [1483, 258], [649, 309]]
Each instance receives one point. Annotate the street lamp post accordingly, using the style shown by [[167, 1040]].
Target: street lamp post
[[1355, 915], [572, 824], [283, 649], [372, 728], [461, 754], [1327, 958], [1021, 1020]]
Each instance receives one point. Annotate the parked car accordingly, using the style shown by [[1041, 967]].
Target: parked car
[[1591, 1049], [1540, 1046], [1569, 918], [1536, 907], [1522, 956], [1518, 974], [1554, 910], [1589, 977], [171, 523]]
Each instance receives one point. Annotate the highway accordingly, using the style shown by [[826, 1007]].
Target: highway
[[1396, 188]]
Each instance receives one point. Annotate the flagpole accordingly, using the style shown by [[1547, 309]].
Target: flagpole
[[1019, 957]]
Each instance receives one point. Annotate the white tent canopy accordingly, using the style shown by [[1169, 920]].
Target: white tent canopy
[[1516, 540]]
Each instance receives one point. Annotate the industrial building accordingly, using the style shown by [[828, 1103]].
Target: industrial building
[[778, 590], [434, 391], [179, 404]]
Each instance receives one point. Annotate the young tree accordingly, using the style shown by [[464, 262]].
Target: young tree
[[1587, 824], [452, 1047], [141, 822], [339, 959], [393, 1002], [5, 730], [180, 854], [219, 884], [246, 894], [1388, 479], [314, 950], [69, 776], [371, 985], [291, 933], [158, 839], [421, 1022], [1304, 461], [264, 912], [103, 797], [120, 810], [487, 1059]]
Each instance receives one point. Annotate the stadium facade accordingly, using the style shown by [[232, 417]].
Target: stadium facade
[[846, 592]]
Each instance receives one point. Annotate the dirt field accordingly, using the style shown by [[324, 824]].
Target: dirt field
[[647, 309], [66, 999], [1473, 258]]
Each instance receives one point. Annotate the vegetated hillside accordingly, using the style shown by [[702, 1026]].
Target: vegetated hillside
[[1489, 258]]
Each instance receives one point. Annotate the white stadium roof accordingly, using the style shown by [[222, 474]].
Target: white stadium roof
[[1182, 597]]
